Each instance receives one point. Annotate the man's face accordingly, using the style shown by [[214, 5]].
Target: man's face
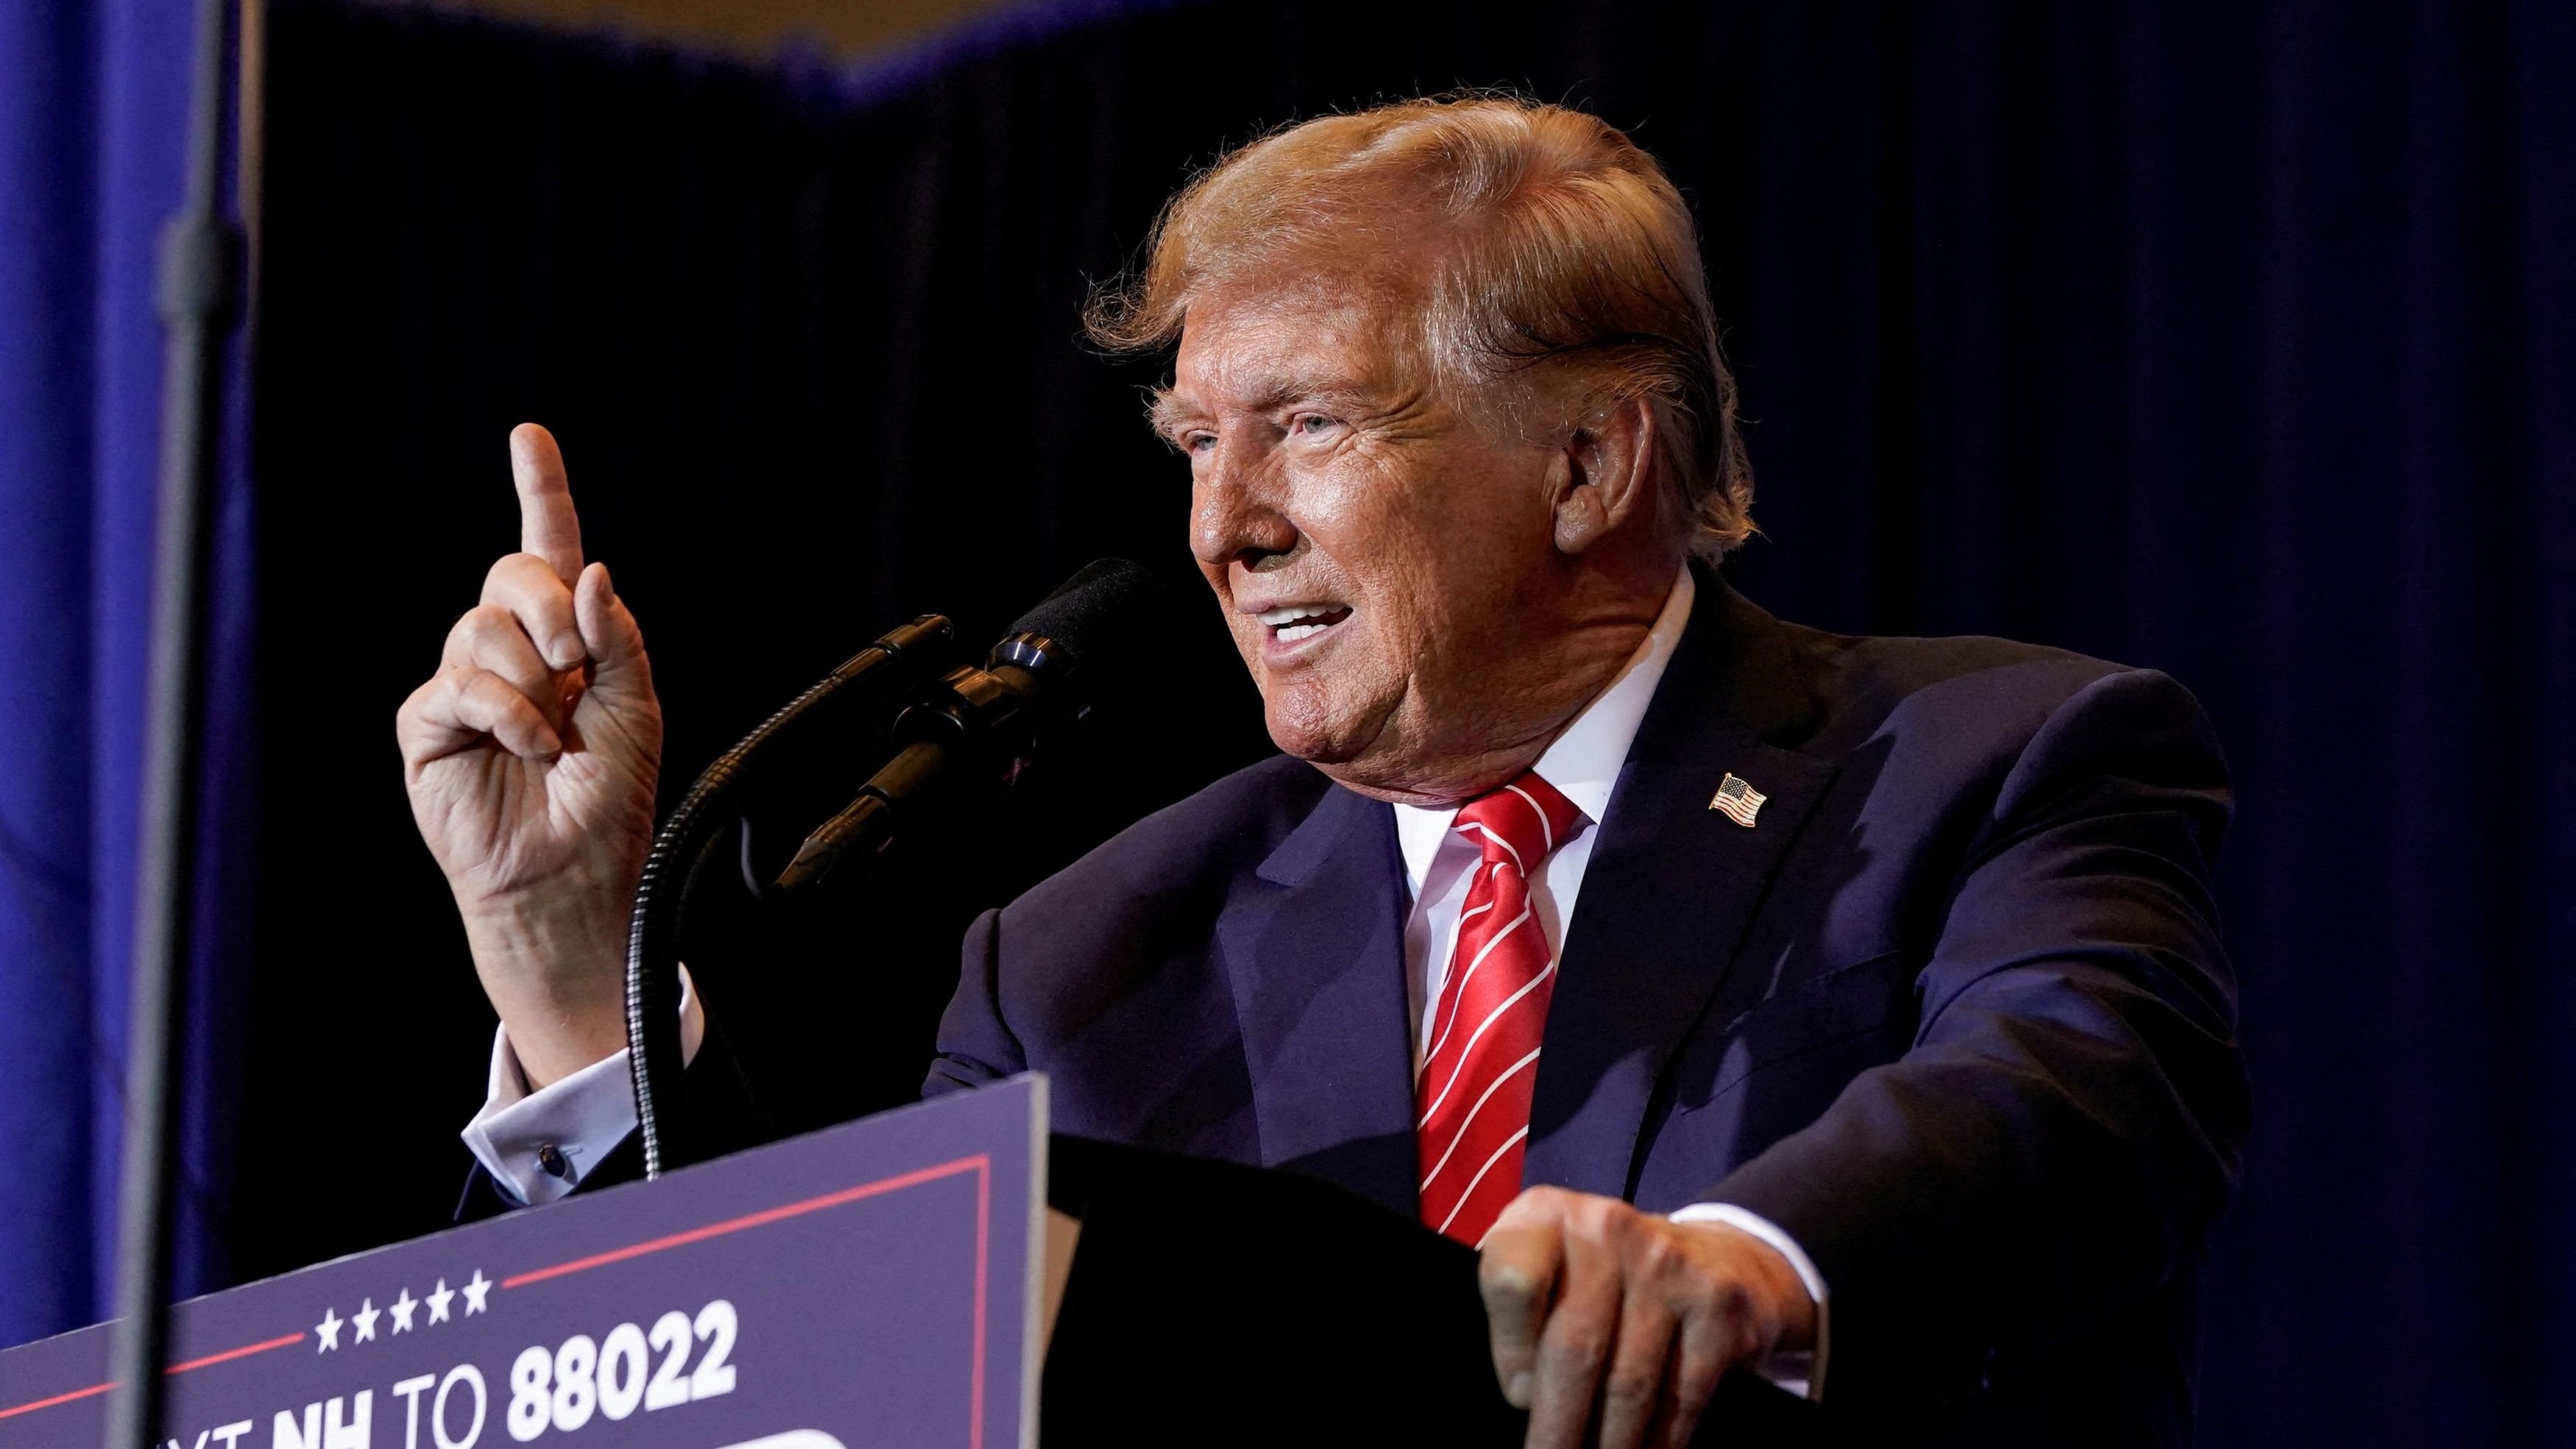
[[1384, 559]]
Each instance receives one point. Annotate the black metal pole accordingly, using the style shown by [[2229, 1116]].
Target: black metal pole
[[199, 256]]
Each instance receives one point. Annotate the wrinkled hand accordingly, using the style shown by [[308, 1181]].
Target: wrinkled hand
[[1601, 1313], [531, 757]]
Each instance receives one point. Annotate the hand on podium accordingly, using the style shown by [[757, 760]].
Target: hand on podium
[[530, 757], [1593, 1303]]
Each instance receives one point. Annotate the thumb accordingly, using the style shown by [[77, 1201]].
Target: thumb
[[611, 636]]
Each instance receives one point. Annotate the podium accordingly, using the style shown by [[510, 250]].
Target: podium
[[942, 1274], [1212, 1303]]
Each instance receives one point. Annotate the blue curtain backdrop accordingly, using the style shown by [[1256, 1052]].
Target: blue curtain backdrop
[[92, 131]]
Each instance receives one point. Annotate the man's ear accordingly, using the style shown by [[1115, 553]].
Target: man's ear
[[1602, 478]]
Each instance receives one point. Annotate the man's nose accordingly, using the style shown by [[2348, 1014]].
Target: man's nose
[[1234, 517]]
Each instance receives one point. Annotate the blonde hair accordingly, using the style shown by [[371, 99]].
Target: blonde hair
[[1561, 250]]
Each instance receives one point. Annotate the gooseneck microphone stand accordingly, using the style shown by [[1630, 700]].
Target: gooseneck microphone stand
[[895, 665], [199, 257], [968, 715]]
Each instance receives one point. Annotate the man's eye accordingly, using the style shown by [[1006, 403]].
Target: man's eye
[[1312, 423], [1199, 442]]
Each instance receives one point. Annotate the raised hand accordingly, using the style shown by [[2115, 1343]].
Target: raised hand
[[531, 757]]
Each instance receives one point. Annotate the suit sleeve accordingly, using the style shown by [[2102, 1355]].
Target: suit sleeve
[[975, 1047], [2070, 1115]]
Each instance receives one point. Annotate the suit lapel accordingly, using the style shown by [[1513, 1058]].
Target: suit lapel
[[1314, 947], [1670, 890]]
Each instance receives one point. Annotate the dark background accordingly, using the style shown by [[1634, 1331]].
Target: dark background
[[2238, 341]]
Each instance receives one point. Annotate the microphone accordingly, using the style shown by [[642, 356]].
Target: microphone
[[894, 665], [1045, 669]]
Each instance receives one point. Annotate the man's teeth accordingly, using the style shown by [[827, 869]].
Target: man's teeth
[[1300, 621]]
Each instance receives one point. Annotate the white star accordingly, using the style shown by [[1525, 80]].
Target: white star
[[438, 1302], [365, 1318], [476, 1290], [402, 1308], [329, 1328]]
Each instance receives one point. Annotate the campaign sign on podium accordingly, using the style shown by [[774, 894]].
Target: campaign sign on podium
[[872, 1284]]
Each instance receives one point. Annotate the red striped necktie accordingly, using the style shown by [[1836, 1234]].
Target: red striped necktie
[[1473, 1093]]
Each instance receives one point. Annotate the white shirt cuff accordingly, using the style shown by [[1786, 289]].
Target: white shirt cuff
[[1801, 1373], [539, 1145]]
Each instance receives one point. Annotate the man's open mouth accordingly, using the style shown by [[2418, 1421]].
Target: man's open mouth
[[1294, 623]]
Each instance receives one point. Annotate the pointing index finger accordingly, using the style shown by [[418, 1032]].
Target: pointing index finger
[[548, 527]]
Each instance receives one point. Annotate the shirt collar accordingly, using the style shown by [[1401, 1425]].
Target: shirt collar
[[1584, 762]]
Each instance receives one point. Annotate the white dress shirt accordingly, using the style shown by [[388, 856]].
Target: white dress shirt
[[539, 1144]]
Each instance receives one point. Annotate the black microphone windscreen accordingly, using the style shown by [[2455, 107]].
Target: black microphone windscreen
[[1102, 611]]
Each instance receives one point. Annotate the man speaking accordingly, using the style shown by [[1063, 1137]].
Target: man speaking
[[1849, 1010]]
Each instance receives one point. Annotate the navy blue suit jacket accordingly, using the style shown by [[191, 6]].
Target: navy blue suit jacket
[[1954, 1013]]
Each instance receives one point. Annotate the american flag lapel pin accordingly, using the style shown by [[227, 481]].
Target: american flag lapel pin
[[1737, 800]]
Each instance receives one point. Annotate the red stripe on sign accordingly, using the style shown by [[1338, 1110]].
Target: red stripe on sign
[[94, 1390], [228, 1355], [983, 1232], [979, 1163], [90, 1392]]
